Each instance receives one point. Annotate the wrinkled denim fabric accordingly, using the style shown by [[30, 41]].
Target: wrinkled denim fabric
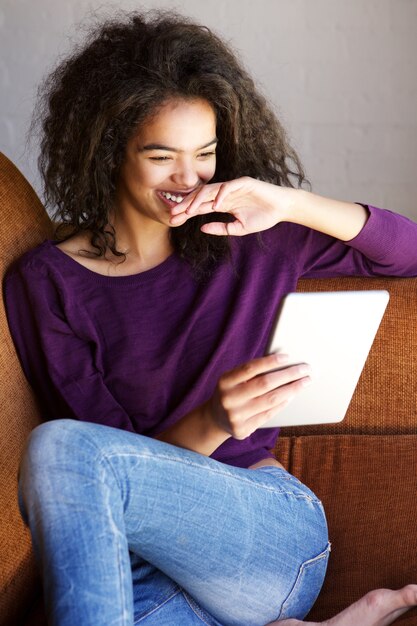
[[130, 530]]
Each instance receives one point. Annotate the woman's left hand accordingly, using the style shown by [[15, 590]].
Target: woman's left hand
[[254, 204]]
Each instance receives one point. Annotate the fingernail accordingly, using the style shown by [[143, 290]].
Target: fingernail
[[304, 369], [281, 357], [306, 381]]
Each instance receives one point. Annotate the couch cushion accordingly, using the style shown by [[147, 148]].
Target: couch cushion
[[368, 485]]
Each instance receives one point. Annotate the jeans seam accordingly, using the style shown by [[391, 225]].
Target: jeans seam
[[195, 609], [211, 469], [121, 578], [323, 555], [156, 608]]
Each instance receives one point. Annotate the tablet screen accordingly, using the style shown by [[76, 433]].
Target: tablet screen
[[332, 332]]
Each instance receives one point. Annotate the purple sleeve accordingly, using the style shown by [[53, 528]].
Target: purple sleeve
[[386, 246], [58, 364]]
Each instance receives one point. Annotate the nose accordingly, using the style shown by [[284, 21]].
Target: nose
[[186, 175]]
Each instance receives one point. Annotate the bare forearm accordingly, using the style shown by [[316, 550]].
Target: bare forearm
[[342, 220], [195, 431]]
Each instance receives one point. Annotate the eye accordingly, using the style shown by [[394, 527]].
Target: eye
[[206, 155], [160, 158]]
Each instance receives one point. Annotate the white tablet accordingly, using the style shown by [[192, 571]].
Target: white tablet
[[332, 332]]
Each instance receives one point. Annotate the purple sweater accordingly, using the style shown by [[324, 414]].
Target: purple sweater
[[139, 352]]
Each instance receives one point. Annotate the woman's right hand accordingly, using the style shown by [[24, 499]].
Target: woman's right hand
[[250, 395]]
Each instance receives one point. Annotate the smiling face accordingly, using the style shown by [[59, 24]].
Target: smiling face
[[170, 156]]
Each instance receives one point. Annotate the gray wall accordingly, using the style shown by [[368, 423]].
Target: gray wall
[[342, 75]]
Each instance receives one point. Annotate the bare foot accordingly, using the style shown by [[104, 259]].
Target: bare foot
[[378, 608]]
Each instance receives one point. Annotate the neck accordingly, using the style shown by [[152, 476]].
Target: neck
[[146, 244]]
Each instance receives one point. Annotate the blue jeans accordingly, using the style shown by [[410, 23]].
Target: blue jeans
[[130, 530]]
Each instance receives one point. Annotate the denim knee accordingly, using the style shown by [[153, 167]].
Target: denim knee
[[49, 441], [60, 442]]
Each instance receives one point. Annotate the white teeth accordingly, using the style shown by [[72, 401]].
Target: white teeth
[[168, 195]]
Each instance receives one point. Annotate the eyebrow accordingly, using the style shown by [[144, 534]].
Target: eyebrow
[[158, 146]]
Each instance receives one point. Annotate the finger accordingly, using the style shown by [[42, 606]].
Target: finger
[[182, 206], [253, 368], [249, 418], [200, 206], [263, 385], [201, 209], [260, 419], [233, 229], [179, 220], [275, 398], [215, 228], [244, 428], [207, 194], [225, 190]]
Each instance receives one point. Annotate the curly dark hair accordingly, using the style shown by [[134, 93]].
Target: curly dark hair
[[94, 101]]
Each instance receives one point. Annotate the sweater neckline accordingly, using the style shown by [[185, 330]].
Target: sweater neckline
[[140, 277]]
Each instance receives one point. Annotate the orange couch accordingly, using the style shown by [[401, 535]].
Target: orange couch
[[364, 469]]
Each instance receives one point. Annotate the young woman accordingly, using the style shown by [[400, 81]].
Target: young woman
[[157, 500]]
